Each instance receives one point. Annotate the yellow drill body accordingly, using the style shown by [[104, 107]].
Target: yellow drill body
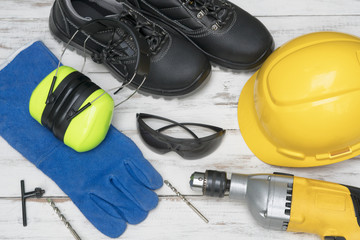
[[324, 208]]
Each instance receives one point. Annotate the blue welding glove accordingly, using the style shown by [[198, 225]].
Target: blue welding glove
[[111, 185]]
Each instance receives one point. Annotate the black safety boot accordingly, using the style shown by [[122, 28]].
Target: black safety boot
[[176, 66], [228, 35]]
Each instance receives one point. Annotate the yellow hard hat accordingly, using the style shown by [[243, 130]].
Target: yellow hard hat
[[302, 107]]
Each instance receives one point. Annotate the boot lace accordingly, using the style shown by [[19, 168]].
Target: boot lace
[[154, 35], [220, 10], [113, 52]]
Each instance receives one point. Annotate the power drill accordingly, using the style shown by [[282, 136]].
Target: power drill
[[287, 203]]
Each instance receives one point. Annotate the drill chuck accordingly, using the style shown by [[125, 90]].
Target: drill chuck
[[210, 183], [268, 195]]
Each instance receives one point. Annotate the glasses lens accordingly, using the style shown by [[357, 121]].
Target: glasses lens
[[188, 148], [151, 138], [199, 148]]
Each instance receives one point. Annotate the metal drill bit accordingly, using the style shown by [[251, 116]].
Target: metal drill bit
[[186, 201], [63, 219]]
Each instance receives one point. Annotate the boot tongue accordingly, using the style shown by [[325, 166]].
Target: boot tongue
[[119, 9], [223, 13], [127, 18]]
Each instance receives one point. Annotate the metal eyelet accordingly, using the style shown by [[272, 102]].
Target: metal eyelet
[[201, 14], [215, 27]]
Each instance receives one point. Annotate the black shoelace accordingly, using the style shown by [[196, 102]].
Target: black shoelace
[[220, 10], [112, 53], [154, 35]]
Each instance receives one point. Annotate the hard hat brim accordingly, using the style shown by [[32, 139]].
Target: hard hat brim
[[258, 142]]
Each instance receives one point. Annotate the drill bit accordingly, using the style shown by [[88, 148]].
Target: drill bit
[[63, 219], [186, 201]]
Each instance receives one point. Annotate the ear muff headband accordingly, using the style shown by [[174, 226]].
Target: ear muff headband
[[72, 104], [58, 97]]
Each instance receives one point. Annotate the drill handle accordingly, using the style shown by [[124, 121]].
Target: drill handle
[[328, 209]]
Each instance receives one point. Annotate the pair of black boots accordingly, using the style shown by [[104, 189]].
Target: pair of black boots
[[182, 36]]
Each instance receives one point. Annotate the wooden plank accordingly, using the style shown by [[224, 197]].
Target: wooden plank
[[232, 156], [22, 9], [299, 8], [283, 29], [227, 218], [22, 21], [219, 96]]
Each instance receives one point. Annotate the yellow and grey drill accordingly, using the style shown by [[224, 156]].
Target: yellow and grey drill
[[287, 203]]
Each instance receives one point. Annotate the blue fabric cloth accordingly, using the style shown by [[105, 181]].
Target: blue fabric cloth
[[111, 185]]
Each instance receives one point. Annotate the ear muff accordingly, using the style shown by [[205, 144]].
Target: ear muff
[[67, 100], [76, 110], [72, 92]]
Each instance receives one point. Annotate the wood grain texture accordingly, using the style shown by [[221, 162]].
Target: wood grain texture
[[22, 21]]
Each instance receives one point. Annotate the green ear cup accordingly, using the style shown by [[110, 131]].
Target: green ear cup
[[72, 92]]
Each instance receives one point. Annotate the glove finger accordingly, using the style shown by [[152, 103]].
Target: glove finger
[[135, 191], [115, 203], [109, 225], [142, 170]]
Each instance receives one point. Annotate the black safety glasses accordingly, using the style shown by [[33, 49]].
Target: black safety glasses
[[188, 148]]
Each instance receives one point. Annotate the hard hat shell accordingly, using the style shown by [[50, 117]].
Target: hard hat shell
[[302, 107]]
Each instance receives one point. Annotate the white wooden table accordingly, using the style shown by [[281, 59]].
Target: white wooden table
[[22, 21]]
